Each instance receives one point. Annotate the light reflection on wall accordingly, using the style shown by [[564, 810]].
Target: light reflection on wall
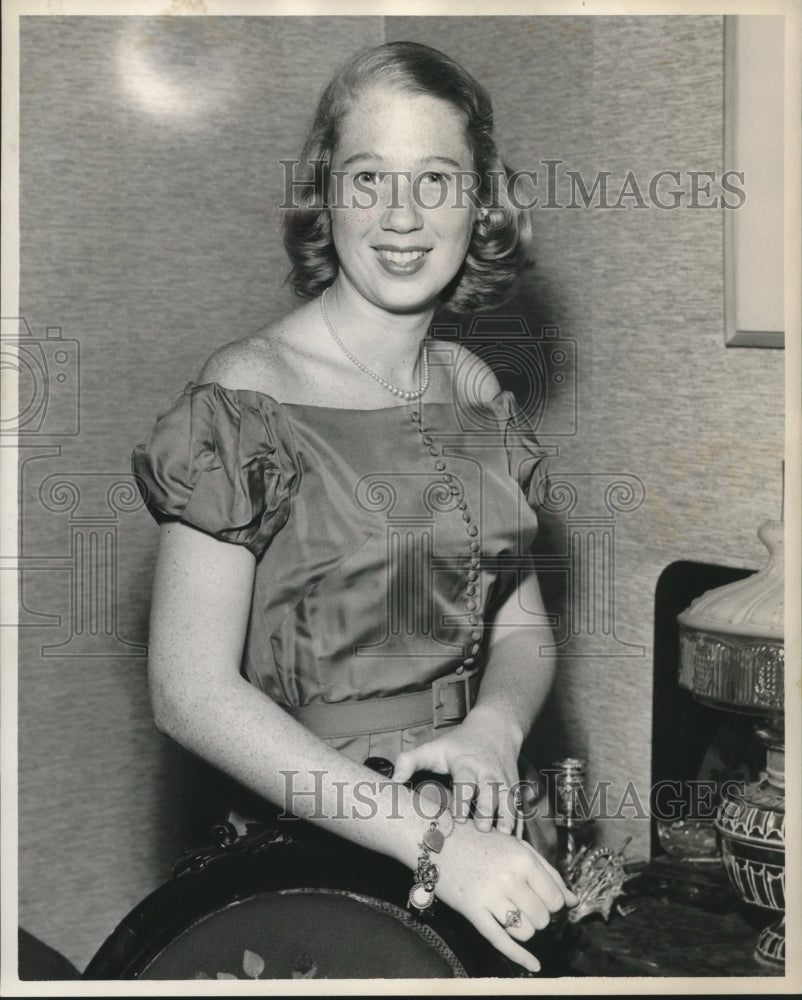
[[181, 76]]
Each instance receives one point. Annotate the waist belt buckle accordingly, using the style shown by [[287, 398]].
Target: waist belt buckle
[[451, 699]]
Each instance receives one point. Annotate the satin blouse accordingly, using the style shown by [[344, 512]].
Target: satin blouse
[[362, 547]]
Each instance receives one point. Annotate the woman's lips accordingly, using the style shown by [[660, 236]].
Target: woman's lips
[[401, 262]]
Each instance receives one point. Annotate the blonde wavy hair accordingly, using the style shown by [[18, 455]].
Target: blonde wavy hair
[[500, 247]]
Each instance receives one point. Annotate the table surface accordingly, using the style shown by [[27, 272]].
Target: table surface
[[678, 922]]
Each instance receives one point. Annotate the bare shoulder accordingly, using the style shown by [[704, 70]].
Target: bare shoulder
[[250, 363], [232, 364], [268, 361], [472, 378]]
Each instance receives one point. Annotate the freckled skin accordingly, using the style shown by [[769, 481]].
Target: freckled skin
[[407, 134]]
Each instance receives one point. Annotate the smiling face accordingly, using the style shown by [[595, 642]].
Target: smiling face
[[398, 153]]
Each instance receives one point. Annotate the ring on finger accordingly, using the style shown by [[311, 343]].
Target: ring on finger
[[512, 919]]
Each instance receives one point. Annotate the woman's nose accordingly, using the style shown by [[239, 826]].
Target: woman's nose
[[401, 213]]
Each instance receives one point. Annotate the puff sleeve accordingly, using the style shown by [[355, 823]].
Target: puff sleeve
[[527, 458], [222, 461]]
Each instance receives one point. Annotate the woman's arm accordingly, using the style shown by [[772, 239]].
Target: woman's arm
[[519, 673], [481, 754], [201, 602]]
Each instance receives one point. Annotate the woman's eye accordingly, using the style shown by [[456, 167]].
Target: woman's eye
[[367, 177], [434, 177]]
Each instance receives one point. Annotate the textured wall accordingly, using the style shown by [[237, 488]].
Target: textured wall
[[149, 235], [662, 405]]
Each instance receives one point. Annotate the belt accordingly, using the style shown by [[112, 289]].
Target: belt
[[445, 703]]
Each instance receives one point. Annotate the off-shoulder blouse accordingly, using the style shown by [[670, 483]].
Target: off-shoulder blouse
[[361, 525]]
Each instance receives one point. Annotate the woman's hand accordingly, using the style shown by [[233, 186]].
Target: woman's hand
[[493, 879], [481, 755]]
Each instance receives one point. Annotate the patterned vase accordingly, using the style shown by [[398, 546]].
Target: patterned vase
[[751, 827]]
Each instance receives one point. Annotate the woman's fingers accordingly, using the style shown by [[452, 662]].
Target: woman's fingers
[[489, 793], [508, 813], [565, 897], [523, 920], [410, 761], [486, 801], [550, 888], [500, 938], [495, 802], [534, 912], [463, 788], [515, 922], [569, 897], [503, 887], [518, 806], [492, 798]]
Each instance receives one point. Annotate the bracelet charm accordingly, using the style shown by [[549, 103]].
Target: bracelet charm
[[421, 895]]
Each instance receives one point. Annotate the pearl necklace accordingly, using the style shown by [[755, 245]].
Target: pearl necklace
[[408, 394]]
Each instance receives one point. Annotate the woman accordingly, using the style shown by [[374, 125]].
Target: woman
[[332, 492]]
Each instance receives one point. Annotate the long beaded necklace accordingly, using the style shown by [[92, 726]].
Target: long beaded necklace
[[408, 394], [471, 596]]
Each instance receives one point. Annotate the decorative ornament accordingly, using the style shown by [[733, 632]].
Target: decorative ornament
[[597, 878]]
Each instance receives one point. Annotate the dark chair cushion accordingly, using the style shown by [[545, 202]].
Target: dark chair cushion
[[38, 960]]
